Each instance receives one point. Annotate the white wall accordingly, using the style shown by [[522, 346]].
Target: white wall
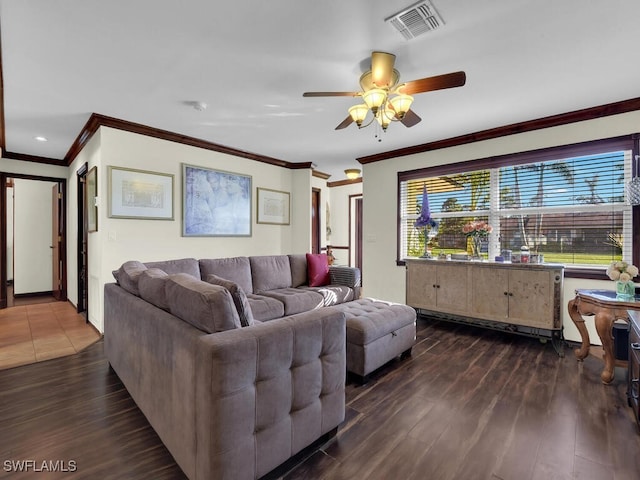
[[90, 154], [384, 279], [32, 270], [31, 168], [119, 240]]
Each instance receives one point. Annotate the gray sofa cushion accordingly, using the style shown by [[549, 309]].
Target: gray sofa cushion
[[265, 308], [207, 307], [298, 265], [127, 276], [296, 300], [239, 298], [334, 294], [236, 269], [151, 285], [270, 272], [182, 265]]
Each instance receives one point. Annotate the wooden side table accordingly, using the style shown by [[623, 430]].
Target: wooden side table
[[606, 309]]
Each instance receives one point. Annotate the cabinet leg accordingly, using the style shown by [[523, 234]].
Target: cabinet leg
[[558, 343]]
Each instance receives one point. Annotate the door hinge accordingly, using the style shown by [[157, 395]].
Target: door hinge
[[59, 196]]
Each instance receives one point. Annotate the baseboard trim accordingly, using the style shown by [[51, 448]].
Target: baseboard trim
[[33, 294]]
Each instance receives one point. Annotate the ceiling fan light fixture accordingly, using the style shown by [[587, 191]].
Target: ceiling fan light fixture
[[358, 113], [352, 173], [401, 104], [375, 98]]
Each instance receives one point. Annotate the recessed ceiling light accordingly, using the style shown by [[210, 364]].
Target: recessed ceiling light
[[200, 106], [41, 139]]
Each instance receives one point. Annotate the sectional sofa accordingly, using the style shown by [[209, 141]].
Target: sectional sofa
[[239, 363]]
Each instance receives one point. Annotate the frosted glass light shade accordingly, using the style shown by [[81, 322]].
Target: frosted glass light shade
[[383, 118], [375, 98], [401, 104], [352, 173], [358, 113]]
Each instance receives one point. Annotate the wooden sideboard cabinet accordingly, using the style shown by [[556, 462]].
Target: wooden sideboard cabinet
[[633, 389], [520, 298]]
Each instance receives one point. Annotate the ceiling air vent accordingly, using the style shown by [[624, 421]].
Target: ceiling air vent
[[416, 20]]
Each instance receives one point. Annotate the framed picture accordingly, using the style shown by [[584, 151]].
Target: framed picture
[[216, 203], [140, 194], [273, 207], [92, 199]]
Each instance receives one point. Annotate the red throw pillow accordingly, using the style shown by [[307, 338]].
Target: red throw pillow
[[317, 269]]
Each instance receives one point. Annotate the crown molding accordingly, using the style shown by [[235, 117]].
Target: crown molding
[[96, 121], [23, 157], [591, 113], [339, 183], [319, 174]]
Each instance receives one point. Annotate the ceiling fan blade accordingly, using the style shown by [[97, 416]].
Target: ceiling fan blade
[[439, 82], [331, 94], [382, 68], [345, 123], [410, 119]]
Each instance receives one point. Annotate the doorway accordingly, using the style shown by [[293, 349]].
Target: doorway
[[358, 228], [32, 239], [315, 220], [83, 234]]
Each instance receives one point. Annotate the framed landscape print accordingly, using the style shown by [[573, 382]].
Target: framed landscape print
[[140, 194], [215, 203], [91, 202], [273, 207]]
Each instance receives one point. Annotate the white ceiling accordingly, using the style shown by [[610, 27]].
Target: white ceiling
[[143, 61]]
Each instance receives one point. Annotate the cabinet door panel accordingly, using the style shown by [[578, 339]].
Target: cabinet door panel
[[531, 302], [490, 290], [452, 291], [421, 281]]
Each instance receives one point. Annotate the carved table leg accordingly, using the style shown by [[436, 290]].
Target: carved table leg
[[604, 325], [583, 351]]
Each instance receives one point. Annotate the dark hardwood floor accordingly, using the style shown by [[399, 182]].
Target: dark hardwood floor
[[468, 404]]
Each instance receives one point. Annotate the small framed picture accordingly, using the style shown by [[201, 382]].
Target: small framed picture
[[273, 207], [140, 194]]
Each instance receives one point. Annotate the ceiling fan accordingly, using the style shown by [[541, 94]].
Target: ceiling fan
[[386, 98]]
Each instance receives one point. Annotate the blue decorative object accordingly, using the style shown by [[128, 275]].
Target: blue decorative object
[[425, 222]]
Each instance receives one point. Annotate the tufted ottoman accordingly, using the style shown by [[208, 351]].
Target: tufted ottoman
[[377, 332]]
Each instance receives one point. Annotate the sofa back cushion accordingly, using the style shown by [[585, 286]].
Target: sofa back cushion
[[239, 298], [128, 274], [207, 307], [182, 265], [235, 269], [270, 272], [298, 265], [151, 285]]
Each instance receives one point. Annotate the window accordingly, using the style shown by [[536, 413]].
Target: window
[[566, 203]]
